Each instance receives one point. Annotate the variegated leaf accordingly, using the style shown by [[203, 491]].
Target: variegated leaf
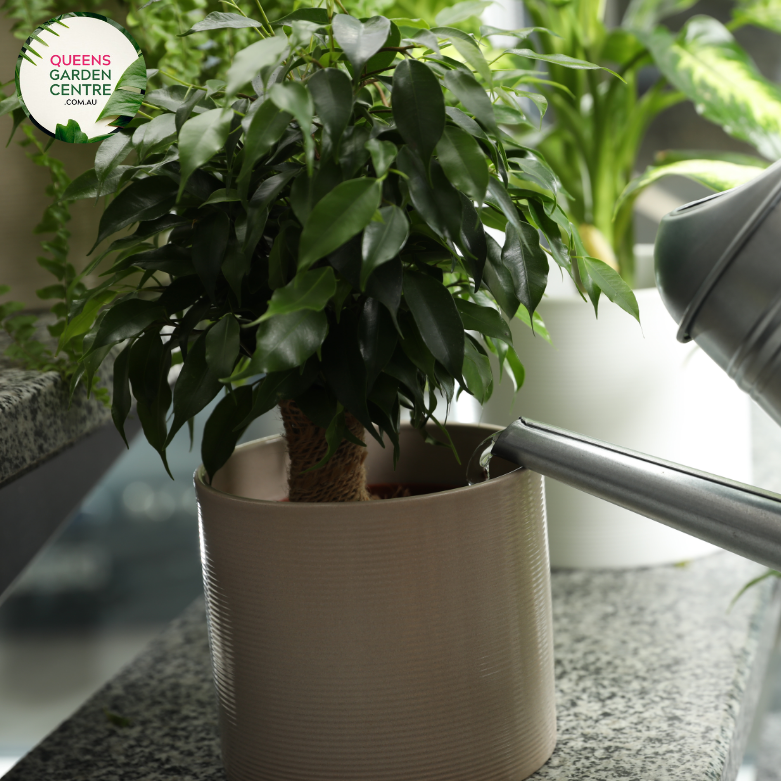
[[760, 13], [719, 175], [708, 66]]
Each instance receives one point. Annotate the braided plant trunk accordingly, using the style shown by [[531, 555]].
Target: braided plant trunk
[[342, 479]]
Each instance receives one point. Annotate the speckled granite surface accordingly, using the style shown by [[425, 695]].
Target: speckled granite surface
[[655, 682], [37, 421]]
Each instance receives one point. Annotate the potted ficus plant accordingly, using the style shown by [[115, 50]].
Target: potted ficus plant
[[618, 383], [311, 234]]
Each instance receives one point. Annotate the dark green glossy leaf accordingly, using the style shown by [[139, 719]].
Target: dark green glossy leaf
[[377, 338], [402, 369], [360, 40], [613, 286], [235, 267], [142, 200], [122, 104], [307, 290], [465, 122], [383, 154], [307, 191], [527, 263], [87, 185], [513, 363], [382, 241], [220, 20], [345, 372], [153, 136], [126, 320], [294, 98], [552, 232], [332, 93], [210, 242], [415, 347], [473, 98], [150, 361], [248, 62], [223, 429], [269, 392], [418, 106], [499, 280], [134, 76], [339, 216], [439, 205], [437, 318], [266, 128], [195, 387], [499, 196], [269, 189], [560, 59], [383, 59], [180, 294], [121, 400], [286, 341], [111, 152], [473, 241], [467, 47], [353, 153], [464, 162], [185, 111], [200, 139], [483, 319], [174, 97], [477, 372], [222, 346]]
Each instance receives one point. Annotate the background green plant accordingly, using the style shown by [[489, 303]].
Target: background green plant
[[598, 123], [156, 27], [321, 235]]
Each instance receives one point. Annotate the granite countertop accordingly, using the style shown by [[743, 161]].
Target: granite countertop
[[655, 679], [38, 421]]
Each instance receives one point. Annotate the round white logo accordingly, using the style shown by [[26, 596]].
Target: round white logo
[[80, 77]]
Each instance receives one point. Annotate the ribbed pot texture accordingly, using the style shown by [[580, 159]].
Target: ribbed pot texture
[[386, 640]]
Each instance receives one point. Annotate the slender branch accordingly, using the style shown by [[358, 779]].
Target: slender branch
[[233, 5], [186, 83], [265, 18]]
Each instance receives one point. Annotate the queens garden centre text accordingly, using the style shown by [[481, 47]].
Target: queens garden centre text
[[80, 81]]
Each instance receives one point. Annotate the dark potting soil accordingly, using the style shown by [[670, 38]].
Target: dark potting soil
[[397, 490]]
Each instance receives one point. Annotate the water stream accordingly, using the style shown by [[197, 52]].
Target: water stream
[[479, 467]]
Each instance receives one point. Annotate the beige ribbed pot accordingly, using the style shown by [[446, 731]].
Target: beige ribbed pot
[[388, 640]]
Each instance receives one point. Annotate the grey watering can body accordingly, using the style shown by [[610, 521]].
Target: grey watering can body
[[718, 269]]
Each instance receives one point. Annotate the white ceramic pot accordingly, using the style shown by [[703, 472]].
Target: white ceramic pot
[[638, 388], [394, 640]]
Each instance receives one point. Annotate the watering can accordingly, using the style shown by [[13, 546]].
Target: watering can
[[718, 270]]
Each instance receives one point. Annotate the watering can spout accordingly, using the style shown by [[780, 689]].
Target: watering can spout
[[718, 272], [734, 516]]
